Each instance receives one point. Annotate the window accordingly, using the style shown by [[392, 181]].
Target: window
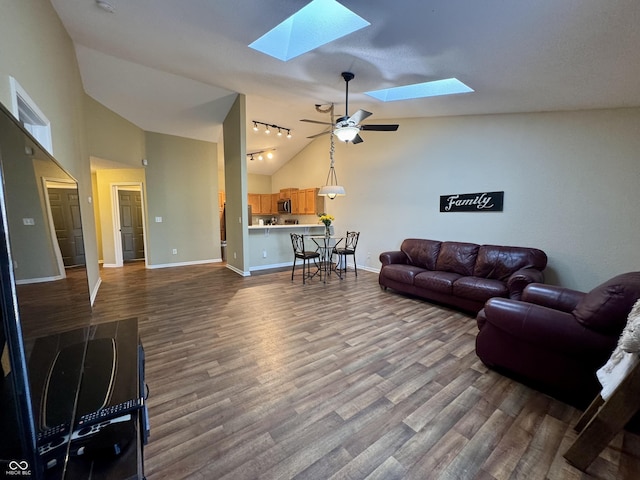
[[29, 115]]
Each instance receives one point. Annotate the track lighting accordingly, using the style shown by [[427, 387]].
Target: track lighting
[[259, 155], [269, 126]]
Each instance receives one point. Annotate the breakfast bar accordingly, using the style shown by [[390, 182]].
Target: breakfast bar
[[270, 245]]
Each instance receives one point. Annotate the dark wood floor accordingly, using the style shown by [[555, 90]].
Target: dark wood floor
[[261, 377]]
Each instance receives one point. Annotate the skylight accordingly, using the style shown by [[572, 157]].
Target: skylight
[[448, 86], [314, 25]]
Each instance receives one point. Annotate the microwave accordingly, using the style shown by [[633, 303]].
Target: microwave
[[284, 206]]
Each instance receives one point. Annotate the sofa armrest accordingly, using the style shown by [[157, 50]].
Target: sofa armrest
[[387, 258], [552, 329], [552, 296], [518, 280]]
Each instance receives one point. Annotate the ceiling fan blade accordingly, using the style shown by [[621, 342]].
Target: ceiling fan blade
[[319, 134], [359, 116], [380, 128], [316, 121], [357, 139]]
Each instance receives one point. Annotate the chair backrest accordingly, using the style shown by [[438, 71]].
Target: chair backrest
[[352, 240], [297, 241]]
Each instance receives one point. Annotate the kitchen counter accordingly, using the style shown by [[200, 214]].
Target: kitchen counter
[[299, 225], [270, 245]]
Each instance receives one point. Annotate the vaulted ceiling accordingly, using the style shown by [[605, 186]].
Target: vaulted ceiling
[[174, 67]]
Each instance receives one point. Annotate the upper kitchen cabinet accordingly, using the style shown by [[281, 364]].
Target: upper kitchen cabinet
[[254, 203]]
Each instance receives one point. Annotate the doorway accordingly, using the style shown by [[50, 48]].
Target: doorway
[[129, 225], [64, 205], [131, 229]]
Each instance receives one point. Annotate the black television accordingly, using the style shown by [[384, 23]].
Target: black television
[[44, 291]]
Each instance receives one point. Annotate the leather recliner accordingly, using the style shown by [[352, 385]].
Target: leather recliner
[[555, 339]]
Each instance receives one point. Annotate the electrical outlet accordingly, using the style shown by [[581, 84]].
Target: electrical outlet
[[264, 254], [175, 251], [234, 255]]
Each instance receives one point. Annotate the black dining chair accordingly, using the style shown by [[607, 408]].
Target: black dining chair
[[299, 252], [349, 248]]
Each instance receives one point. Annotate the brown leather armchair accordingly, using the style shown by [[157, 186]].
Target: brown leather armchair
[[554, 339]]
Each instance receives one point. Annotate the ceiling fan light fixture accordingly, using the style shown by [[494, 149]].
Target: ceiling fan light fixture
[[347, 133], [106, 6]]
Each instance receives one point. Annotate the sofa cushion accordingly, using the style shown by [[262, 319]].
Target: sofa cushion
[[441, 282], [457, 257], [498, 262], [421, 252], [605, 308], [401, 273], [480, 289]]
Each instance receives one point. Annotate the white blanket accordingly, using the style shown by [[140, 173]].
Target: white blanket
[[624, 357]]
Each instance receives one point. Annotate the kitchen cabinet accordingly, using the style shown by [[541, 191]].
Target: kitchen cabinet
[[286, 193], [254, 203], [265, 203], [310, 201], [302, 202], [294, 203]]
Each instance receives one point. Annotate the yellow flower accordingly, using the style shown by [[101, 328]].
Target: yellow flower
[[326, 219]]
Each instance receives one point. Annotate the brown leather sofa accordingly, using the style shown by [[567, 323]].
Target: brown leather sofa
[[555, 338], [462, 275]]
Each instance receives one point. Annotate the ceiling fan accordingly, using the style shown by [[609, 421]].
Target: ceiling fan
[[347, 128]]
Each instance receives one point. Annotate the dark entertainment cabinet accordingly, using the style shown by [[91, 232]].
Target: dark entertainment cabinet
[[111, 424]]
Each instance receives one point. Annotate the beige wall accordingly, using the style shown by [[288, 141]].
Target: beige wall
[[259, 183], [111, 137], [182, 188], [570, 181], [37, 51]]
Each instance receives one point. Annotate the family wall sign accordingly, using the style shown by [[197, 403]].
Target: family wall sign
[[472, 202]]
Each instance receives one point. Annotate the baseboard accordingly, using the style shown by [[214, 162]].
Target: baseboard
[[94, 292], [184, 264]]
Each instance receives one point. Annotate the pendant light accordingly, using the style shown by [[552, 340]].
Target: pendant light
[[332, 189]]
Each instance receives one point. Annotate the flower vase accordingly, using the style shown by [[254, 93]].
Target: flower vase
[[327, 230]]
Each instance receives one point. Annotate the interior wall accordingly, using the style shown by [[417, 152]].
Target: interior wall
[[182, 189], [570, 181], [235, 168], [38, 53], [112, 137], [259, 183]]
